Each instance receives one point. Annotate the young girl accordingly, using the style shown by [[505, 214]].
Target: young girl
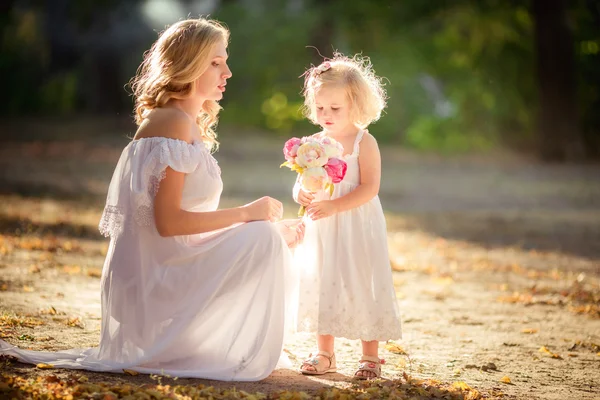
[[346, 287]]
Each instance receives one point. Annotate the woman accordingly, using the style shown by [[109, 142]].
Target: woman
[[187, 290]]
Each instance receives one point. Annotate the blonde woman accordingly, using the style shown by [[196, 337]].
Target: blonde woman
[[187, 290], [346, 285]]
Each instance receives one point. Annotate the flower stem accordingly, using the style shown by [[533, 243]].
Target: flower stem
[[301, 211]]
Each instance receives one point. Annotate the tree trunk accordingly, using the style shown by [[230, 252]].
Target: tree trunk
[[558, 131], [323, 32]]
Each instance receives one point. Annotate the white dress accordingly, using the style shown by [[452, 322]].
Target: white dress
[[346, 287], [208, 305]]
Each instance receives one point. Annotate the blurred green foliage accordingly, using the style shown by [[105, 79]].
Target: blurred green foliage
[[460, 74], [23, 59]]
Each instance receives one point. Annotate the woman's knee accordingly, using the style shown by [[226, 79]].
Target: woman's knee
[[262, 230], [264, 234]]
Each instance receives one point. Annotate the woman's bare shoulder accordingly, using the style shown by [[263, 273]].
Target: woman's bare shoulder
[[170, 123]]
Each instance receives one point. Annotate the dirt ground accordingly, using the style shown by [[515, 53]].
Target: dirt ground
[[496, 263]]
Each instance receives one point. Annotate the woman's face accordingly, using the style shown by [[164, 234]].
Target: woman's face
[[211, 84]]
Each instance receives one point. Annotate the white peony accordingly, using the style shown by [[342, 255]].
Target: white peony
[[314, 179]]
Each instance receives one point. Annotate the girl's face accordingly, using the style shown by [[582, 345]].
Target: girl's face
[[211, 84], [333, 109]]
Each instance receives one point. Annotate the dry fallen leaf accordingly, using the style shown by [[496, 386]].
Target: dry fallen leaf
[[130, 372], [71, 269], [505, 379], [50, 311], [461, 385], [75, 322], [401, 364], [529, 330], [34, 269], [545, 350], [291, 355], [395, 348], [44, 366], [94, 272]]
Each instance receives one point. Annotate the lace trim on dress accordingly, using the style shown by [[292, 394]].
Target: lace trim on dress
[[176, 154], [112, 221], [386, 327], [144, 208], [165, 152]]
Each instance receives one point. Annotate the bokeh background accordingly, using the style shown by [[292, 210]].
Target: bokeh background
[[462, 75], [492, 132]]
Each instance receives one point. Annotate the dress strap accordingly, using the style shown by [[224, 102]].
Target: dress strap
[[359, 137]]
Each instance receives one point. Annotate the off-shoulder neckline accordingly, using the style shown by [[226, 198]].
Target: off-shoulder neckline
[[161, 138]]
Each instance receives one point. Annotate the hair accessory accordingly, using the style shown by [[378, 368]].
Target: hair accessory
[[326, 66]]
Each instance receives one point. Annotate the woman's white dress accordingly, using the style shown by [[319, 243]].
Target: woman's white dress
[[346, 287], [209, 305]]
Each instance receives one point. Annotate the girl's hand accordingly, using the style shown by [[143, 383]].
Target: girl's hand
[[305, 198], [321, 209]]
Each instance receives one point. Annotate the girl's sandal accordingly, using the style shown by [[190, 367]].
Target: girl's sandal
[[315, 362], [369, 363]]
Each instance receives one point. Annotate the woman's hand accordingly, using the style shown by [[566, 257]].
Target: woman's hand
[[321, 209], [305, 198], [292, 231], [264, 209]]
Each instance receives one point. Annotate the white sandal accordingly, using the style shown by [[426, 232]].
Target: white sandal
[[369, 363], [320, 369]]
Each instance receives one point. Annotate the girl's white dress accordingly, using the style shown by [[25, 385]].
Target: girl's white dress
[[208, 305], [346, 287]]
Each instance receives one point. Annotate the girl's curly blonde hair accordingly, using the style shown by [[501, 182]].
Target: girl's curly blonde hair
[[365, 90], [171, 67]]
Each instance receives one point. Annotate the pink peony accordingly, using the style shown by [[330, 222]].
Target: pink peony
[[336, 169], [290, 149]]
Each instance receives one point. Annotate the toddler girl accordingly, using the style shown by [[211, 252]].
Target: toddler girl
[[346, 287]]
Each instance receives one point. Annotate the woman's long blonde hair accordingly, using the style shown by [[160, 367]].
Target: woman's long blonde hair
[[172, 65]]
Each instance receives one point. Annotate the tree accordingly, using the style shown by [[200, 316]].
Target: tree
[[324, 30], [558, 129]]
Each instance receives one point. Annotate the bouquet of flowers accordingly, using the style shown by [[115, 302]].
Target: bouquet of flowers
[[318, 161]]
